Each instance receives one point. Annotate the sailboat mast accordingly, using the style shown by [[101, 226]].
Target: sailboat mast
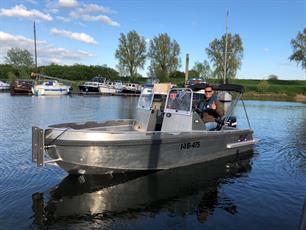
[[35, 47], [225, 51]]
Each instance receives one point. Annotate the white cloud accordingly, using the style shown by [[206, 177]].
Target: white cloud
[[63, 19], [93, 8], [23, 12], [73, 35], [89, 18], [68, 3], [52, 10], [46, 52], [32, 1]]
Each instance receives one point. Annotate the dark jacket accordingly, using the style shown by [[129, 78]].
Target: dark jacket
[[209, 114]]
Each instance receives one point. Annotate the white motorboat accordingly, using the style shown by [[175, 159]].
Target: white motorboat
[[111, 87], [156, 139], [50, 87], [133, 88], [4, 86], [93, 85]]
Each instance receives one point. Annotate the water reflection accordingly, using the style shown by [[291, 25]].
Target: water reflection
[[102, 199]]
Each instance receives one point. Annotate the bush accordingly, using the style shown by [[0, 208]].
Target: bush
[[263, 86]]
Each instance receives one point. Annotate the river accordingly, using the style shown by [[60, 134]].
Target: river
[[265, 191]]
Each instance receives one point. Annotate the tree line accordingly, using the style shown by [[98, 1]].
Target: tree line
[[163, 54]]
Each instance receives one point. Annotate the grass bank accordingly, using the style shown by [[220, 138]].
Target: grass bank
[[279, 90], [275, 90]]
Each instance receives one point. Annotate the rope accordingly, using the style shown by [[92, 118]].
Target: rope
[[246, 113], [58, 136]]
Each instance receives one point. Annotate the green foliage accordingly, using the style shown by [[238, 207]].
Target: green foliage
[[263, 86], [193, 73], [21, 60], [299, 49], [5, 69], [216, 52], [177, 74], [78, 72], [131, 53], [164, 55], [203, 69], [11, 77]]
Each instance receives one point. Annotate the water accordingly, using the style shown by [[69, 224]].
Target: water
[[264, 191]]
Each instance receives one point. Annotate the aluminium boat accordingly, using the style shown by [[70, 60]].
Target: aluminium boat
[[166, 133]]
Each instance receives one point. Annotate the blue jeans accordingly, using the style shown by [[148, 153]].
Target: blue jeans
[[211, 125]]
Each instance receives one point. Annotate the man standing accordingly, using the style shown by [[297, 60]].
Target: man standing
[[210, 108]]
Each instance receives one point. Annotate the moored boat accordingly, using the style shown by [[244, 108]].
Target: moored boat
[[133, 88], [4, 86], [93, 85], [111, 87], [155, 140], [50, 87], [21, 87]]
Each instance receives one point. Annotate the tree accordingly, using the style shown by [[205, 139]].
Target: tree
[[164, 55], [299, 49], [131, 53], [216, 53], [20, 59], [203, 69], [193, 73], [272, 77]]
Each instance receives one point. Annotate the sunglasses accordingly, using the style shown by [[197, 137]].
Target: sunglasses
[[208, 91]]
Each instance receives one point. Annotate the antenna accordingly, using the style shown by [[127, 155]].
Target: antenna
[[35, 47], [225, 51]]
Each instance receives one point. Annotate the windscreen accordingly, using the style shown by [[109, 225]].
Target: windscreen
[[145, 99], [179, 99]]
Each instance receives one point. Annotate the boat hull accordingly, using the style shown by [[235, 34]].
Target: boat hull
[[100, 152], [108, 90], [48, 91], [89, 89]]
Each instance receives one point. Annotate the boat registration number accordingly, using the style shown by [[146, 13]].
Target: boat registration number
[[188, 145]]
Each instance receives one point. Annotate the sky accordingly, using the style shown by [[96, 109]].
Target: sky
[[87, 32]]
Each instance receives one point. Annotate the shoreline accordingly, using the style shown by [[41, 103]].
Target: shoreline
[[247, 96], [274, 97]]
